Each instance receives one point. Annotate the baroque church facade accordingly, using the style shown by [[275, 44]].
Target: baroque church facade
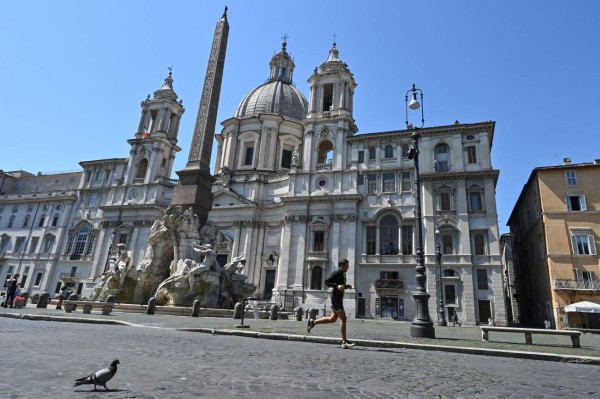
[[297, 189], [59, 229]]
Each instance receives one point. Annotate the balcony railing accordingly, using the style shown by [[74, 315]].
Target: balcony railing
[[323, 166], [317, 254], [138, 181], [562, 284], [69, 275], [388, 283]]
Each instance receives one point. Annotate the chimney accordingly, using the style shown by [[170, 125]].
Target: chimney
[[566, 161]]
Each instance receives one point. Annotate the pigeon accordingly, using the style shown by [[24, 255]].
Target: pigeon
[[100, 377]]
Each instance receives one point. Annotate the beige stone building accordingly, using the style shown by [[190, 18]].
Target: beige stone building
[[555, 225]]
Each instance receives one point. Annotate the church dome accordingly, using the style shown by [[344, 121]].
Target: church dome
[[278, 95]]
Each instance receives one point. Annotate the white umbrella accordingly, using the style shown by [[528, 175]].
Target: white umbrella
[[583, 307]]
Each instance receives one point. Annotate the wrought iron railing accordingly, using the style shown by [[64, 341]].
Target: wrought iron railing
[[563, 284], [388, 283]]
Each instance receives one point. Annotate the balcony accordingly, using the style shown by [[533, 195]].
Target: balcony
[[317, 255], [138, 181], [388, 283], [323, 166], [576, 285], [389, 286]]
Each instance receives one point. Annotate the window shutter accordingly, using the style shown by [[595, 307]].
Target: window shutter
[[568, 201], [574, 243], [592, 244], [582, 203]]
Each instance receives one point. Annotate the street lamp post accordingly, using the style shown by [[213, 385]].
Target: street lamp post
[[438, 258], [422, 326]]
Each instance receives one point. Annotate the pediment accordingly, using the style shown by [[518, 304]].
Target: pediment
[[225, 197]]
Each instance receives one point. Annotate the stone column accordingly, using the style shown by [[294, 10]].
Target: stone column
[[284, 260]]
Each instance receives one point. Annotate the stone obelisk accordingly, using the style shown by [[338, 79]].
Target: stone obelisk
[[195, 181]]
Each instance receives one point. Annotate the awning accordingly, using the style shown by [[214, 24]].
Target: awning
[[583, 307]]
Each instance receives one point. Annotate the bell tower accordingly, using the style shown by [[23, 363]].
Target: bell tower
[[154, 145], [329, 119]]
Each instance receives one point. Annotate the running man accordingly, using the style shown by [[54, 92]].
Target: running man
[[336, 280]]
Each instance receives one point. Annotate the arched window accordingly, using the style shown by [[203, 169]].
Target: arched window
[[388, 235], [442, 158], [389, 151], [405, 150], [42, 220], [11, 221], [141, 169], [316, 275], [372, 153], [325, 152], [55, 220], [26, 220], [80, 243]]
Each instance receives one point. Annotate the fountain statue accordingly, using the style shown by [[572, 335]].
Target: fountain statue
[[179, 266]]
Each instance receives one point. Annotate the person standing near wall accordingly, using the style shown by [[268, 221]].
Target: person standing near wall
[[11, 291]]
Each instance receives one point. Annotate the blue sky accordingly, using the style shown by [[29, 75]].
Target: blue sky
[[74, 72]]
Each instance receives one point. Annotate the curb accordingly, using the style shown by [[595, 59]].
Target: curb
[[595, 361]]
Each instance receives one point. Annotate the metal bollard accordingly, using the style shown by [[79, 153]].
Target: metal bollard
[[196, 308], [151, 306], [274, 312], [299, 312]]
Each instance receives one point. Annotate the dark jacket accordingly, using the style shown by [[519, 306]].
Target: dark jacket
[[12, 286], [336, 278]]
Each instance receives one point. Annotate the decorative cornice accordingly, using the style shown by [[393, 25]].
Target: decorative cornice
[[437, 176], [344, 218], [287, 219]]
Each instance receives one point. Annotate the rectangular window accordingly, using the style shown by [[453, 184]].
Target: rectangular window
[[583, 244], [450, 294], [286, 159], [38, 279], [123, 238], [15, 209], [319, 241], [360, 180], [479, 243], [371, 184], [444, 201], [447, 243], [29, 208], [407, 240], [389, 182], [571, 178], [482, 279], [471, 154], [475, 202], [19, 245], [93, 198], [361, 157], [371, 240], [576, 203], [70, 244], [389, 275], [33, 244], [249, 156], [406, 182]]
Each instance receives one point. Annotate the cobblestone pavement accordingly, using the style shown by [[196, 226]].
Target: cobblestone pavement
[[42, 360]]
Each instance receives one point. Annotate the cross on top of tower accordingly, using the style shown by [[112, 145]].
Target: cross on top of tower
[[285, 37], [334, 39], [170, 70]]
